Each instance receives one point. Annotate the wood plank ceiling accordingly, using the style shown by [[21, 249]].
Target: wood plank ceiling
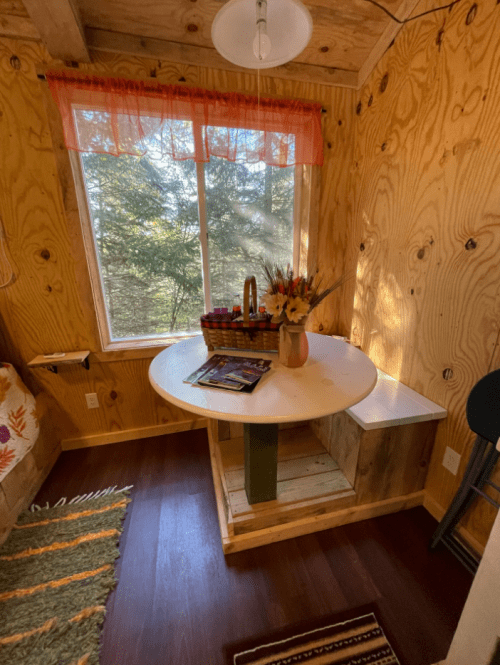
[[349, 36]]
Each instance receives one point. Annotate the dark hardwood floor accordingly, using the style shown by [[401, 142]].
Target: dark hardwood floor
[[179, 601]]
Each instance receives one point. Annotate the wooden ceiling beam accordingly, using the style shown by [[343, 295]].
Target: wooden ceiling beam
[[60, 28], [117, 42], [403, 12], [18, 26]]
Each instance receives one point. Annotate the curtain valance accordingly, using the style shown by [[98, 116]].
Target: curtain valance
[[120, 116]]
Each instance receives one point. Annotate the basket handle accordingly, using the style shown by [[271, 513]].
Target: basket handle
[[246, 298]]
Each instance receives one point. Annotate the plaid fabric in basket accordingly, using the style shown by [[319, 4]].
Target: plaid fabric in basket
[[240, 325]]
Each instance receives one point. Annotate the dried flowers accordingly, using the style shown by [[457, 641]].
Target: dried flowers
[[290, 298]]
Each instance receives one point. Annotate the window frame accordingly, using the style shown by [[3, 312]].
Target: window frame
[[305, 230]]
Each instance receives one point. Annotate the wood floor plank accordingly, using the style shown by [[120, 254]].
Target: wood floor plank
[[179, 601]]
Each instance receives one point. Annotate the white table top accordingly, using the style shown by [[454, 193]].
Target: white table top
[[335, 376]]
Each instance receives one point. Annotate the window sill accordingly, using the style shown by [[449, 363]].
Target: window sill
[[130, 350]]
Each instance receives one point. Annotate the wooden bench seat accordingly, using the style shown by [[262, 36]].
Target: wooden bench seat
[[384, 443], [391, 403]]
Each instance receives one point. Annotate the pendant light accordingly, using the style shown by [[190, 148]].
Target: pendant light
[[259, 34]]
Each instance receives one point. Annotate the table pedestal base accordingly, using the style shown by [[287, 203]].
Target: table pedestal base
[[261, 459]]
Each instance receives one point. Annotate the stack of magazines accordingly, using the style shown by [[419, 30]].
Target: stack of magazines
[[230, 373]]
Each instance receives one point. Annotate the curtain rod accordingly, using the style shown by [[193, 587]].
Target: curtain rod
[[42, 77]]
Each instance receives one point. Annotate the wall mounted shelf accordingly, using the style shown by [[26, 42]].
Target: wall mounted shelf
[[54, 360]]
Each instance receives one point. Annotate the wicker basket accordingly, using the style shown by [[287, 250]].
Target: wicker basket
[[246, 334]]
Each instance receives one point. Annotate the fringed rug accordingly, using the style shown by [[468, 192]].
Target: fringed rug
[[56, 571], [355, 641]]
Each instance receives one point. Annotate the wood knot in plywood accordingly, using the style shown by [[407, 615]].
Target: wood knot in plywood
[[358, 108], [439, 38], [362, 247], [384, 82], [470, 244], [370, 101], [192, 27], [113, 394], [45, 254], [471, 14], [15, 63], [447, 374], [445, 158], [421, 253]]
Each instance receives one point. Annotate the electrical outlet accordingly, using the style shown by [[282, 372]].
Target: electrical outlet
[[451, 460], [92, 401]]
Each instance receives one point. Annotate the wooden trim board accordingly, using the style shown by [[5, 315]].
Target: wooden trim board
[[329, 520], [117, 42], [131, 434]]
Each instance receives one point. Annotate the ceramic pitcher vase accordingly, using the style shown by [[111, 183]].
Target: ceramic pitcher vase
[[294, 347]]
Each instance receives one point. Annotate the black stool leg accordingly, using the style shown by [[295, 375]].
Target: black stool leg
[[465, 495]]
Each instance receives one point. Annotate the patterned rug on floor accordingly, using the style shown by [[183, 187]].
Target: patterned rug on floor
[[357, 640], [56, 571]]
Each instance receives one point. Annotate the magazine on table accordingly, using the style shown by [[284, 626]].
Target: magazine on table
[[230, 373]]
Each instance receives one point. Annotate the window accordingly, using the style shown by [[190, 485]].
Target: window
[[172, 239], [181, 196]]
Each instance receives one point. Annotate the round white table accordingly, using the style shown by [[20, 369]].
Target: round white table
[[336, 376]]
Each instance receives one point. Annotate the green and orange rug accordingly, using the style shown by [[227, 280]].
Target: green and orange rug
[[56, 571]]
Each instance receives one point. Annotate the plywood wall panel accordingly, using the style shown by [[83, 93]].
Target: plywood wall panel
[[425, 232], [49, 307]]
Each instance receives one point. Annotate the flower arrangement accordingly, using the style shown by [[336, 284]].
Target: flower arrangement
[[290, 298]]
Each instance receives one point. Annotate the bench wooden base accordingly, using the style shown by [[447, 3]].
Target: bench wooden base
[[313, 492]]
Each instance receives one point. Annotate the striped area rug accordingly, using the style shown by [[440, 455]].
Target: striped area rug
[[56, 571], [356, 641]]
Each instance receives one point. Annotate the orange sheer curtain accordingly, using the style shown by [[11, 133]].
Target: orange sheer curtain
[[115, 116]]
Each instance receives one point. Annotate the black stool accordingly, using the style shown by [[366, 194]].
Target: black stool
[[483, 417]]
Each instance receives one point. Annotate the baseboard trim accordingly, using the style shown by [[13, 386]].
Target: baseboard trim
[[131, 434], [437, 511]]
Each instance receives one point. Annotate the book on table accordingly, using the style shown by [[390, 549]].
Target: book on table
[[230, 373]]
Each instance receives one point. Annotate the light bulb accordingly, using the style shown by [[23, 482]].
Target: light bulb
[[261, 45], [261, 42]]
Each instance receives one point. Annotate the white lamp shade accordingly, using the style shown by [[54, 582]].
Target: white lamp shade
[[289, 27]]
